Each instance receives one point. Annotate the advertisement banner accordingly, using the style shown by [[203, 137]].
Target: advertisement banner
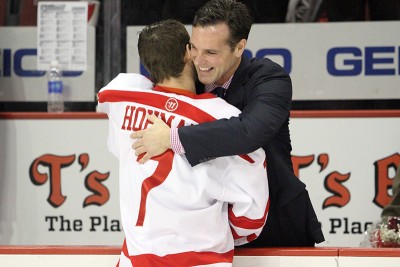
[[59, 182], [326, 61], [348, 165], [21, 81]]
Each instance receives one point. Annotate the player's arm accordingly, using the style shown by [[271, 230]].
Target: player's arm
[[248, 198]]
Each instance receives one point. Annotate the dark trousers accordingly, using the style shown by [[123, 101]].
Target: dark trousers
[[293, 225]]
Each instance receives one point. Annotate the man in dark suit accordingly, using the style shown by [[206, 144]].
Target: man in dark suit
[[393, 208], [263, 91]]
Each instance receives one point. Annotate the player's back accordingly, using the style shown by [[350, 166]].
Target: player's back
[[170, 211]]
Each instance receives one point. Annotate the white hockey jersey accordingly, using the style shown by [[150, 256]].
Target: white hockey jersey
[[174, 214]]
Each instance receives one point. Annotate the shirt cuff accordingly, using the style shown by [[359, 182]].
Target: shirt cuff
[[176, 144]]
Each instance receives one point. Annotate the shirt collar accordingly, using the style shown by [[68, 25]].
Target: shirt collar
[[173, 90], [209, 87]]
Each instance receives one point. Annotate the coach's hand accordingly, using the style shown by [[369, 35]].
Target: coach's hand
[[153, 141]]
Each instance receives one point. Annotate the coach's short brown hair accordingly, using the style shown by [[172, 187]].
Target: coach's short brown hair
[[234, 14]]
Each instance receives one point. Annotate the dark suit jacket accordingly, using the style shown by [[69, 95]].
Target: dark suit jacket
[[393, 208], [263, 91]]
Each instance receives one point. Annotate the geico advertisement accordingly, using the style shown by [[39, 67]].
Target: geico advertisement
[[20, 80], [59, 182], [327, 61]]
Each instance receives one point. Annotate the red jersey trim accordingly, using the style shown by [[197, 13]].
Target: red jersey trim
[[247, 223], [157, 101], [183, 92], [184, 259]]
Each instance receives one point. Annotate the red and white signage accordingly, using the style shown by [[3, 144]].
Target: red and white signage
[[59, 182]]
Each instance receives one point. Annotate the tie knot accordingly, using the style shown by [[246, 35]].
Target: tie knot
[[219, 91]]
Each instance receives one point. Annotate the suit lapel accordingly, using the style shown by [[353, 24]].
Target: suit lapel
[[236, 92]]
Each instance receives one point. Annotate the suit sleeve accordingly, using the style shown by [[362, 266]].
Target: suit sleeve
[[266, 109]]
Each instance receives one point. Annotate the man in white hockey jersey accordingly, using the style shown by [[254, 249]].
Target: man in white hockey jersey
[[174, 214]]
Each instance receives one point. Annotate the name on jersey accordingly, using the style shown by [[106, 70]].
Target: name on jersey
[[135, 118]]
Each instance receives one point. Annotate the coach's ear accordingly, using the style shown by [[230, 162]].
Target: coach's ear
[[240, 47]]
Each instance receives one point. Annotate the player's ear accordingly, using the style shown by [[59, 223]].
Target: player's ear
[[188, 48], [187, 57]]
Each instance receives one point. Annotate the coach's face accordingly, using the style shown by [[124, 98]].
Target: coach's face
[[214, 59]]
